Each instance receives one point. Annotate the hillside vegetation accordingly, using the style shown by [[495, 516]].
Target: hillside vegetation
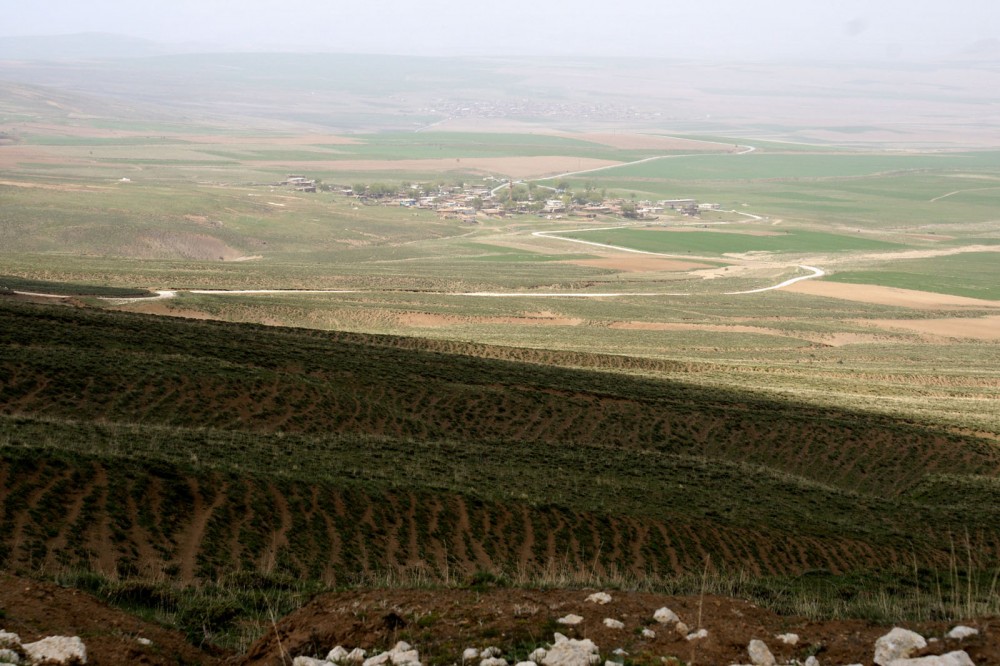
[[136, 445]]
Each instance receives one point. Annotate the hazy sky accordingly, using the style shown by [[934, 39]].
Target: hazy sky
[[729, 29]]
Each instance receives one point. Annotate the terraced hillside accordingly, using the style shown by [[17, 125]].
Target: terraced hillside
[[137, 445]]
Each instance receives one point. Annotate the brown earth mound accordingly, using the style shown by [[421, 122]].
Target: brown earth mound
[[442, 623], [34, 610]]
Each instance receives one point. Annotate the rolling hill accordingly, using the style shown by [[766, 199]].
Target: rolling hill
[[137, 445]]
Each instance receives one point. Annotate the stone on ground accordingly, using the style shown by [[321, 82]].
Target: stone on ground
[[572, 652], [759, 653], [57, 650], [897, 644], [960, 658], [961, 632], [666, 616]]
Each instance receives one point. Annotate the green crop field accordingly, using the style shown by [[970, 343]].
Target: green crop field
[[722, 242], [972, 274]]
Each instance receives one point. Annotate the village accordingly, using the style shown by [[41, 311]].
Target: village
[[498, 197]]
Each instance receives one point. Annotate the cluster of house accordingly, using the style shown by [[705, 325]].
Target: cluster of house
[[469, 202], [299, 183]]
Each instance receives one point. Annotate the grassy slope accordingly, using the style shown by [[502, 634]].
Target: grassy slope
[[325, 455]]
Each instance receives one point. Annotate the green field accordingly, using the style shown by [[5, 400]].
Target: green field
[[723, 242], [973, 275]]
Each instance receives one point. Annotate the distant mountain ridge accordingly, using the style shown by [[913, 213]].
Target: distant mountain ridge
[[86, 45]]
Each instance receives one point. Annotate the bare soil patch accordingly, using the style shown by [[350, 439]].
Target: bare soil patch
[[517, 167], [641, 141], [429, 320], [441, 623], [637, 263], [679, 326], [169, 244], [906, 298], [982, 328], [12, 156]]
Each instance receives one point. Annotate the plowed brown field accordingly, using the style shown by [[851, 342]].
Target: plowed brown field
[[153, 520]]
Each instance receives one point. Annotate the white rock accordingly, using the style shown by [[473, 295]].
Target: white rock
[[682, 629], [57, 650], [599, 598], [648, 633], [701, 633], [788, 639], [377, 660], [9, 640], [611, 663], [525, 663], [404, 657], [493, 661], [8, 656], [612, 623], [490, 652], [759, 653], [812, 661], [961, 632], [666, 616], [572, 652], [337, 655], [470, 654], [355, 656], [309, 661], [897, 644], [620, 652], [570, 620], [960, 658], [403, 654], [537, 655], [143, 641]]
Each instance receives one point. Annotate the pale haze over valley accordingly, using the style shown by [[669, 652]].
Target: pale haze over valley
[[886, 31]]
